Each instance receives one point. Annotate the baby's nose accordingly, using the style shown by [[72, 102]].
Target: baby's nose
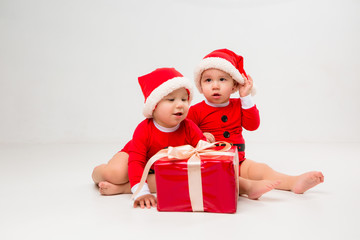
[[215, 84], [179, 103]]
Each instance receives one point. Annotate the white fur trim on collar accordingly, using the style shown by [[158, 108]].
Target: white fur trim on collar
[[163, 90]]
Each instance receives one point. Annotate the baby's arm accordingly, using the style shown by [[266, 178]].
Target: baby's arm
[[250, 118], [143, 197], [193, 116], [137, 162], [250, 114]]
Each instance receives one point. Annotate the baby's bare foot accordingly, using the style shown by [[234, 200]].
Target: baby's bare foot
[[259, 188], [306, 181], [107, 188]]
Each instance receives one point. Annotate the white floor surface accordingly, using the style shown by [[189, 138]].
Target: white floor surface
[[47, 193]]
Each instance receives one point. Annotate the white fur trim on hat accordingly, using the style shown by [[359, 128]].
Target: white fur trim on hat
[[217, 63], [163, 90]]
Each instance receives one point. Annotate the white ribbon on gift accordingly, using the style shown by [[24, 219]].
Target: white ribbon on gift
[[194, 167]]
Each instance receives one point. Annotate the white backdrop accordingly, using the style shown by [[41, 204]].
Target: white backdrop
[[68, 69]]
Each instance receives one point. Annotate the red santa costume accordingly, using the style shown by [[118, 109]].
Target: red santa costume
[[149, 137], [225, 121]]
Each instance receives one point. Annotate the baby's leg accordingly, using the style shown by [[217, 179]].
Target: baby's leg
[[115, 171], [255, 189], [297, 184], [112, 178], [306, 181], [107, 188]]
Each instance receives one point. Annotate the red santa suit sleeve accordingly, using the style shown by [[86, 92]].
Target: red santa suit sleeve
[[250, 114], [138, 157]]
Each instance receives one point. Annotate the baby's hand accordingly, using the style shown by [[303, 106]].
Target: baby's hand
[[147, 200], [209, 137], [246, 88]]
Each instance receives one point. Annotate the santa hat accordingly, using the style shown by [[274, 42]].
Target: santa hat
[[224, 60], [159, 84]]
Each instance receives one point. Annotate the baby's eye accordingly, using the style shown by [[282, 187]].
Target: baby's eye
[[222, 79], [207, 80], [184, 99], [171, 99]]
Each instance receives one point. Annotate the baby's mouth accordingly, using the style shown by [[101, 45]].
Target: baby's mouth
[[179, 114], [216, 94]]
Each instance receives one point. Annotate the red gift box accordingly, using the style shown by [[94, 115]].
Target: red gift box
[[218, 176]]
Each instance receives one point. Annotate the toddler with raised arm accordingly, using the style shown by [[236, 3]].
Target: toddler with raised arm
[[221, 118]]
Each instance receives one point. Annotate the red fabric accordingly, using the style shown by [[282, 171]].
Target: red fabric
[[148, 140], [151, 81], [218, 183], [209, 120], [127, 147]]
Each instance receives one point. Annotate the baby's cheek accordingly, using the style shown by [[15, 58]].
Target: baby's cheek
[[187, 105]]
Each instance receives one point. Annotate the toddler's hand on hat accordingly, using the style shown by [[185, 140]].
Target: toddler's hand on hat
[[147, 201], [245, 89]]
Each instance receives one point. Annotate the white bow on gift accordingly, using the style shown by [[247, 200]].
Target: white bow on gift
[[194, 167]]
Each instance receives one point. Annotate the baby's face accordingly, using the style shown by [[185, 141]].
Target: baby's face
[[217, 86], [172, 109]]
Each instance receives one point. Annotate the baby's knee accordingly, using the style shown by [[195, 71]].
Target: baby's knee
[[262, 165], [115, 175], [98, 172], [99, 169], [256, 167]]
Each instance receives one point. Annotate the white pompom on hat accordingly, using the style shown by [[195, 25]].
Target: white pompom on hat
[[158, 84], [224, 60]]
